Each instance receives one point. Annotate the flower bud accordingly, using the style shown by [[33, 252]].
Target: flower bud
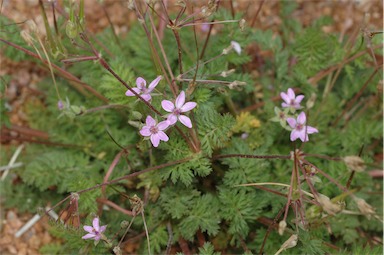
[[242, 25], [365, 208], [282, 226], [327, 205], [311, 101], [227, 73], [117, 250], [124, 224], [354, 163]]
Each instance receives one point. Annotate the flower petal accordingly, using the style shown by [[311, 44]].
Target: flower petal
[[163, 125], [146, 96], [311, 130], [130, 94], [285, 97], [172, 119], [291, 93], [299, 99], [285, 105], [150, 121], [88, 229], [292, 122], [188, 106], [180, 100], [167, 105], [294, 135], [154, 83], [145, 131], [186, 121], [88, 236], [301, 119], [141, 83], [95, 224], [302, 135], [155, 140], [103, 228], [162, 136]]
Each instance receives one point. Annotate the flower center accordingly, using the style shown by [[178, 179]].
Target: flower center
[[292, 102], [154, 129], [299, 126], [177, 111]]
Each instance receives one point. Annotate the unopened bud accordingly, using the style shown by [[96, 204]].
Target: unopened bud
[[205, 11], [311, 101], [227, 73], [137, 204], [290, 243], [117, 250], [327, 205], [242, 25], [282, 226], [135, 124], [365, 208], [354, 163], [236, 84], [181, 3], [137, 115], [124, 224]]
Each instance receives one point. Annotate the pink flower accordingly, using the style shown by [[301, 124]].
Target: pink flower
[[155, 131], [141, 88], [95, 231], [176, 109], [299, 129], [291, 101]]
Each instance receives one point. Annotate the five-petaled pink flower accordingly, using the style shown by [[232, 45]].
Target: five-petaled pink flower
[[94, 231], [291, 100], [300, 130], [155, 131], [177, 109], [142, 90]]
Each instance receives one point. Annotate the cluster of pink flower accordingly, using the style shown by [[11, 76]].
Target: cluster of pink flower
[[299, 129], [154, 130]]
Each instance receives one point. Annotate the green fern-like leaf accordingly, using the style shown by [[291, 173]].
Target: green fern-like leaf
[[112, 88], [203, 215], [214, 128]]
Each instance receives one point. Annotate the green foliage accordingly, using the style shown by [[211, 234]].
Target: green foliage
[[203, 215], [51, 168], [112, 88], [240, 207], [313, 50], [208, 249], [199, 198], [214, 128]]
